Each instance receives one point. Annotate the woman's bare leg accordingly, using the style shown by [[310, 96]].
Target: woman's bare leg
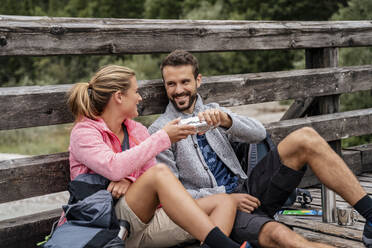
[[221, 209], [159, 185]]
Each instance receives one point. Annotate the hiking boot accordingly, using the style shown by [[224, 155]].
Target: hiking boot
[[367, 234]]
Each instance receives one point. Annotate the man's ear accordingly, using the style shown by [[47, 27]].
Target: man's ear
[[198, 80]]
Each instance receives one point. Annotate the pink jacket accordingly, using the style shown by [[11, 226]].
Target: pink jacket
[[94, 148]]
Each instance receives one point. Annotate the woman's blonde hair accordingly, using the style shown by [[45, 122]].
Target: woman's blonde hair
[[90, 99]]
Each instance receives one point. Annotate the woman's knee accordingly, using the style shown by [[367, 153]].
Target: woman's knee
[[160, 171], [226, 201]]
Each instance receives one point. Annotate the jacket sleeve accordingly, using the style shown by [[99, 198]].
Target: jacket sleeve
[[243, 129], [89, 148]]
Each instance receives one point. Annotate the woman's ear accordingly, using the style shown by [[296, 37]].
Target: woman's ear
[[118, 97]]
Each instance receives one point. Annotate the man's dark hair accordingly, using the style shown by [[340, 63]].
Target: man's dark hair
[[181, 57]]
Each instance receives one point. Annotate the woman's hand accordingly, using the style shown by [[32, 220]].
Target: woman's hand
[[177, 132], [246, 202], [118, 189]]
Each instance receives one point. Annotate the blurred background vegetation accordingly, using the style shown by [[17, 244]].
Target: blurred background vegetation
[[20, 71]]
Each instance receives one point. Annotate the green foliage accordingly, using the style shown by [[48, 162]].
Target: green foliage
[[356, 10], [67, 69]]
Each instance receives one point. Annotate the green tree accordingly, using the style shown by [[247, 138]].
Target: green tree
[[63, 69], [356, 10]]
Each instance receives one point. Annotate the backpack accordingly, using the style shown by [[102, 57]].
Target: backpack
[[91, 220]]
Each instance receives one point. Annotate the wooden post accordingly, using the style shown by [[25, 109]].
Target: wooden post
[[319, 58]]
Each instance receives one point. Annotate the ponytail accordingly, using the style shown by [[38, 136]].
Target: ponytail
[[79, 101]]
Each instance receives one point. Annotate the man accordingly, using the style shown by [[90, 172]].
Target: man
[[206, 164]]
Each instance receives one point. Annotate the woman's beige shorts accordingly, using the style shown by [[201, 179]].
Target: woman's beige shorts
[[161, 231]]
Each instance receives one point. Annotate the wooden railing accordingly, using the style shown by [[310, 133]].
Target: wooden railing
[[315, 90]]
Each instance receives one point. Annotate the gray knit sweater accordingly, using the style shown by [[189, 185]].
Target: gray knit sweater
[[185, 158]]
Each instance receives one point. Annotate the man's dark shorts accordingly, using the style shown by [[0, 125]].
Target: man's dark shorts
[[272, 183]]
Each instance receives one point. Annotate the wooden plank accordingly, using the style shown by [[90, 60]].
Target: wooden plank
[[20, 178], [25, 35], [46, 105], [328, 239], [26, 231], [315, 224], [33, 176], [298, 108], [366, 151], [315, 58], [330, 127], [365, 179]]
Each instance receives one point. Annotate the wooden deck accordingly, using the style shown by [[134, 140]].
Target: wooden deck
[[314, 229]]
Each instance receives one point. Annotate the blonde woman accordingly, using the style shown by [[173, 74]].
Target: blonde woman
[[105, 140]]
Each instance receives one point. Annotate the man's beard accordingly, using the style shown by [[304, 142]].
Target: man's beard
[[192, 98]]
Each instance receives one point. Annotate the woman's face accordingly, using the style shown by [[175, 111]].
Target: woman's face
[[131, 99]]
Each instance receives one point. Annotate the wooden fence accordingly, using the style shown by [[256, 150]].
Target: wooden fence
[[316, 90]]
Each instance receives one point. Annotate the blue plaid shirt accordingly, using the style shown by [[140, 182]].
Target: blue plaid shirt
[[219, 170]]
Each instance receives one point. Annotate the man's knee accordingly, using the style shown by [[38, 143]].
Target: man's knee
[[306, 139]]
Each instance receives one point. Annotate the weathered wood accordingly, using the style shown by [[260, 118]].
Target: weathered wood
[[22, 35], [46, 105], [315, 58], [20, 178], [328, 239], [366, 156], [298, 108], [26, 231], [330, 127], [33, 176], [320, 58], [327, 228]]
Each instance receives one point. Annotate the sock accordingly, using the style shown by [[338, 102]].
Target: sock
[[217, 239], [364, 207]]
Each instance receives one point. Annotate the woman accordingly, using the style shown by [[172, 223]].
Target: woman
[[105, 140]]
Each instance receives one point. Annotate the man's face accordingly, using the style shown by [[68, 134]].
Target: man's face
[[181, 86]]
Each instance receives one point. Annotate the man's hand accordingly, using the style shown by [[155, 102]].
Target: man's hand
[[216, 117], [246, 202], [119, 188]]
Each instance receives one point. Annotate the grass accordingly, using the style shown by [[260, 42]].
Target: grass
[[45, 140], [36, 140]]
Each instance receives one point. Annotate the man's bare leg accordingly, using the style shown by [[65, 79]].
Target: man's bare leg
[[273, 234], [307, 146]]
